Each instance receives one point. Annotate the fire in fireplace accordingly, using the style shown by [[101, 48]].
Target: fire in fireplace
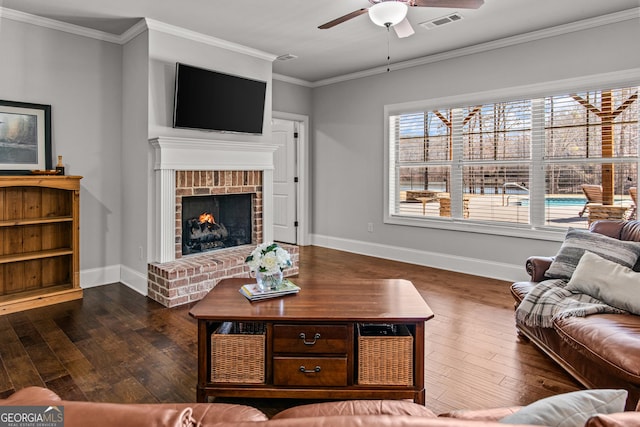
[[215, 222]]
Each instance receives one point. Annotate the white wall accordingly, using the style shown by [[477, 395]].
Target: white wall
[[134, 162], [291, 98], [167, 49], [81, 79], [347, 148]]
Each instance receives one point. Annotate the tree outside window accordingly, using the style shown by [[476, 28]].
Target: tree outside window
[[518, 163]]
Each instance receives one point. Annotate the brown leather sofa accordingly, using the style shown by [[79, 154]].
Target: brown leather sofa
[[383, 413], [600, 351]]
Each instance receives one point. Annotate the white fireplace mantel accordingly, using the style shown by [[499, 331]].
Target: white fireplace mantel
[[174, 153], [205, 154]]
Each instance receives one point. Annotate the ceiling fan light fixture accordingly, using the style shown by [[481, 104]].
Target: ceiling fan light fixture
[[388, 13]]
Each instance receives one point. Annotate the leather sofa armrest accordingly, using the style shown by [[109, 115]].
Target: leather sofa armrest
[[77, 414], [536, 266], [31, 395], [98, 414]]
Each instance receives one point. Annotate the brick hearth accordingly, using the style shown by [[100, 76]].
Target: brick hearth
[[190, 278]]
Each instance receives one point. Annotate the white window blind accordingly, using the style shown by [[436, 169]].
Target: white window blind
[[518, 163]]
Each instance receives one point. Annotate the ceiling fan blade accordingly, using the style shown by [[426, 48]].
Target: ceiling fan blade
[[455, 4], [404, 28], [343, 18]]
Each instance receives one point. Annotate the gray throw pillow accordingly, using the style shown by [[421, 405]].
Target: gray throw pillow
[[576, 242], [569, 409], [611, 283]]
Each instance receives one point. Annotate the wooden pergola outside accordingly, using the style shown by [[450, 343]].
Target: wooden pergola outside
[[607, 115]]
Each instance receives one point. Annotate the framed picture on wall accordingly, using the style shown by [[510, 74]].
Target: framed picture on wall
[[25, 137]]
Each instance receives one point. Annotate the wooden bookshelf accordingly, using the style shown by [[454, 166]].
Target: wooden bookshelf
[[39, 241]]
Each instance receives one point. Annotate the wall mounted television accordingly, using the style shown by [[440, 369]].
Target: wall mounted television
[[214, 101]]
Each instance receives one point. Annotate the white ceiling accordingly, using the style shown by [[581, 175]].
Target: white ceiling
[[290, 26]]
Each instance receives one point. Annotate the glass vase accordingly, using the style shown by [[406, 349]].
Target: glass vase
[[269, 281]]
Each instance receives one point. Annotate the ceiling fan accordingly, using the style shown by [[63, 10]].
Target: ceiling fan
[[393, 13]]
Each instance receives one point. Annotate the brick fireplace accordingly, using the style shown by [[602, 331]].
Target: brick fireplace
[[200, 184], [190, 167]]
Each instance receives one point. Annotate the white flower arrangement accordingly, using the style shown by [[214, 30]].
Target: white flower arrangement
[[268, 258]]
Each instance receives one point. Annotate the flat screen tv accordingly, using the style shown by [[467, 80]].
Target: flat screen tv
[[210, 100]]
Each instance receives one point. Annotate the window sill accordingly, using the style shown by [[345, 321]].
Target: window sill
[[524, 231]]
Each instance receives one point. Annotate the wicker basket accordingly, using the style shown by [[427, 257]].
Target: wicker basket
[[385, 359], [238, 353]]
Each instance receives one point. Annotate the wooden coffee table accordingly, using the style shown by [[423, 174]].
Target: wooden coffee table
[[310, 344]]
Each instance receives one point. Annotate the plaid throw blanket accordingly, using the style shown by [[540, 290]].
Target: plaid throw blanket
[[549, 300]]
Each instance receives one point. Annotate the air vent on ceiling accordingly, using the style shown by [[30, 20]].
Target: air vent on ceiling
[[438, 22], [286, 57]]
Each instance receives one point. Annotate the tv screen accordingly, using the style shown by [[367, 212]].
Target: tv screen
[[209, 100]]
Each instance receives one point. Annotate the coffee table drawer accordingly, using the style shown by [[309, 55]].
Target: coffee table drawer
[[310, 338], [319, 371]]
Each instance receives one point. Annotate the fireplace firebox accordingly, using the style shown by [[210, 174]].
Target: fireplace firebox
[[216, 222]]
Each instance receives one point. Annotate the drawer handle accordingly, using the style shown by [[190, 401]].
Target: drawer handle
[[309, 371], [303, 337]]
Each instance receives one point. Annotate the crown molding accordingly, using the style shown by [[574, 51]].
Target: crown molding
[[140, 27], [213, 41], [133, 32], [584, 24], [40, 21], [292, 80]]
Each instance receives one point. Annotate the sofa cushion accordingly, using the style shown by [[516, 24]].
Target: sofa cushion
[[367, 421], [356, 407], [519, 290], [612, 341], [491, 414], [630, 231], [576, 242], [569, 409], [607, 281]]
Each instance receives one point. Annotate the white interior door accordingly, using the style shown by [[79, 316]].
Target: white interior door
[[284, 181]]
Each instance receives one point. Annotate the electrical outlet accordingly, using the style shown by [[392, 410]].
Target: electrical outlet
[[141, 253], [370, 227]]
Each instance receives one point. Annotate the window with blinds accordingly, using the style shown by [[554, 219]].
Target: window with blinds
[[520, 163]]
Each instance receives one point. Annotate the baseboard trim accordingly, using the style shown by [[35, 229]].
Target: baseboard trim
[[99, 276], [133, 279], [477, 267], [114, 274]]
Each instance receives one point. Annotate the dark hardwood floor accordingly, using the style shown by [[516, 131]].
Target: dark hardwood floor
[[118, 346]]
